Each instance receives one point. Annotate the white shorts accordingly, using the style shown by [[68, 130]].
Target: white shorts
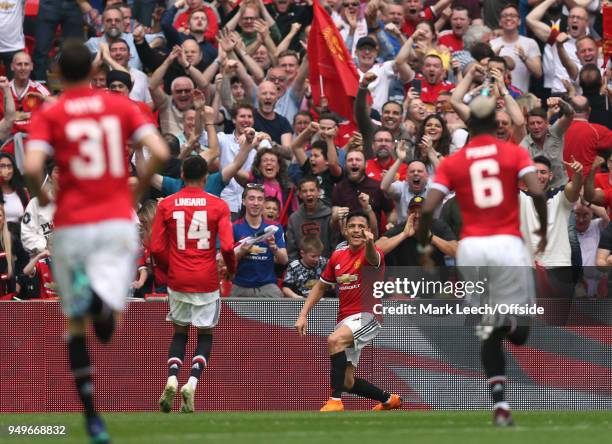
[[365, 328], [506, 263], [200, 315], [99, 257]]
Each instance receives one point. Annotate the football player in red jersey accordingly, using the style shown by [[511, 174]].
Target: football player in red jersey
[[354, 268], [95, 238], [183, 240], [485, 175]]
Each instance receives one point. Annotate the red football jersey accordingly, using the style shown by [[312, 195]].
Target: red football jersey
[[375, 170], [450, 40], [88, 130], [25, 103], [183, 237], [47, 285], [485, 176], [355, 278]]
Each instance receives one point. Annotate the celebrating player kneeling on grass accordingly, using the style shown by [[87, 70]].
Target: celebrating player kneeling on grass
[[353, 268], [183, 241]]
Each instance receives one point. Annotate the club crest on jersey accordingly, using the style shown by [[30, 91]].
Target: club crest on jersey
[[256, 249], [357, 264], [347, 278]]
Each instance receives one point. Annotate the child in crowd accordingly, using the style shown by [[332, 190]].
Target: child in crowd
[[303, 273]]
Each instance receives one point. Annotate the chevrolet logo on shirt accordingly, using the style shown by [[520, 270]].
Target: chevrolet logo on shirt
[[347, 278]]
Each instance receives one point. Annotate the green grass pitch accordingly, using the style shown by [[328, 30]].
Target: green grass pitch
[[335, 428]]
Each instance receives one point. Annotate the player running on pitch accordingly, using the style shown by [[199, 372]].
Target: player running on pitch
[[353, 268], [485, 175], [183, 241], [95, 239]]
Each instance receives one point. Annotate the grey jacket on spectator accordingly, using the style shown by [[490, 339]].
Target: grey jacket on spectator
[[302, 224]]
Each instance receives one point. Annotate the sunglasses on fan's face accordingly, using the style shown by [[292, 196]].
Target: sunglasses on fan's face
[[254, 186]]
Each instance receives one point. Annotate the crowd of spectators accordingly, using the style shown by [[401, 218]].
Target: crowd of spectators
[[229, 81]]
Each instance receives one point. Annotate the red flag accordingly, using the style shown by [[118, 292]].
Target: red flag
[[331, 66]]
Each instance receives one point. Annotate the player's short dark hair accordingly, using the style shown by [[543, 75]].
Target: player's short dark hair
[[74, 61], [241, 105], [538, 112], [486, 125], [194, 168], [358, 213], [321, 146], [308, 179], [543, 160], [311, 244]]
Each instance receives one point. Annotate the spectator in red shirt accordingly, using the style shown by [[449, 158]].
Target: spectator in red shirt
[[584, 139], [414, 13], [460, 22], [181, 22], [432, 79], [382, 146]]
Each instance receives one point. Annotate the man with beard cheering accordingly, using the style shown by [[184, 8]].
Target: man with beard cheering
[[357, 191], [390, 120]]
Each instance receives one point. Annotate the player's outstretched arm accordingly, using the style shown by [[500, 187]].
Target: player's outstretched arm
[[313, 297], [372, 255]]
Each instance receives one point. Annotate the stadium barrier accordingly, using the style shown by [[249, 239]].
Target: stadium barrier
[[259, 363]]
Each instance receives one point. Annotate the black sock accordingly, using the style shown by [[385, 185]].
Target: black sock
[[493, 361], [338, 369], [176, 353], [201, 355], [81, 370], [369, 390], [103, 318]]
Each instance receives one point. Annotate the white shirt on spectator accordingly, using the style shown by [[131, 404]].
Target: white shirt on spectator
[[140, 87], [228, 149], [589, 241], [93, 44], [11, 24], [558, 252], [520, 73], [379, 88], [401, 188]]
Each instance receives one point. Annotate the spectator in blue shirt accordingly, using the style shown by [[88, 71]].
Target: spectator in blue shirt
[[255, 275]]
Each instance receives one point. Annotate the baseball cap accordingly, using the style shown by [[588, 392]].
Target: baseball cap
[[366, 41], [416, 201]]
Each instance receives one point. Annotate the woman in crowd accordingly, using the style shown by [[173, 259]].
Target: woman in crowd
[[14, 193], [432, 142], [270, 170]]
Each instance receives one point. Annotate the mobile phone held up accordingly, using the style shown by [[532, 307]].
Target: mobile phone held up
[[417, 86]]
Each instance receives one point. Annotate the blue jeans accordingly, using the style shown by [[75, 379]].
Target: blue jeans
[[50, 14]]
